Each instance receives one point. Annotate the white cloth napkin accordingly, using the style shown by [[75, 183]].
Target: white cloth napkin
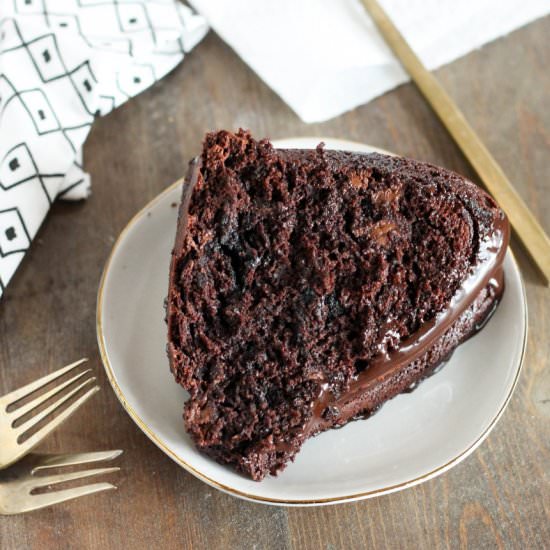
[[63, 62], [324, 57]]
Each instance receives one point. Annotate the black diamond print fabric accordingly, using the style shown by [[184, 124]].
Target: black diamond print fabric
[[62, 63]]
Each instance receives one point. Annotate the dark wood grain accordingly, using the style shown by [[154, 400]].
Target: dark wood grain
[[498, 498]]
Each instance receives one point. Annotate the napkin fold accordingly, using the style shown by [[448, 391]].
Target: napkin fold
[[324, 57], [62, 63]]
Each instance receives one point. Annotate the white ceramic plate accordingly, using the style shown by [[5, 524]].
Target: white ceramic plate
[[413, 438]]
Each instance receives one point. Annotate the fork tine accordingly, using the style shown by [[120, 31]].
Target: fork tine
[[29, 423], [28, 444], [46, 481], [14, 396], [34, 502], [56, 461], [21, 411]]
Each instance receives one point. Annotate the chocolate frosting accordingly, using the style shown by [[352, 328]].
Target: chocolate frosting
[[487, 272]]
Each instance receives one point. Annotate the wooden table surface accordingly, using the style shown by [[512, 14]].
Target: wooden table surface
[[499, 497]]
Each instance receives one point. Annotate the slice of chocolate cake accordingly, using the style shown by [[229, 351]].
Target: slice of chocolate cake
[[308, 287]]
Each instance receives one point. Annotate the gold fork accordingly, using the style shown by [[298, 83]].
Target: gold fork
[[19, 483], [14, 427]]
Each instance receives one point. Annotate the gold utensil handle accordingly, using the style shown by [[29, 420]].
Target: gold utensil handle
[[525, 225]]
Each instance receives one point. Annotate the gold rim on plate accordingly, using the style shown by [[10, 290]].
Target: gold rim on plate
[[258, 498]]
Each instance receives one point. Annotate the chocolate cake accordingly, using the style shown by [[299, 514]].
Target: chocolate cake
[[308, 287]]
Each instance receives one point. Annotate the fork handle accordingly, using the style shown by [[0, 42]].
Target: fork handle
[[527, 228]]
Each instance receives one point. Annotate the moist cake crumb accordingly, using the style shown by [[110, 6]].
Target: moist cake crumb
[[295, 272]]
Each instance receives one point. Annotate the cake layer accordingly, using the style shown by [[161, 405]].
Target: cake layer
[[308, 287]]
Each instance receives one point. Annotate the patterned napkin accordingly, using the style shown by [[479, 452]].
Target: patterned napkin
[[62, 63]]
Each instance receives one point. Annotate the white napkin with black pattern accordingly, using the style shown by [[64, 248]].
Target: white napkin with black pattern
[[62, 63]]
